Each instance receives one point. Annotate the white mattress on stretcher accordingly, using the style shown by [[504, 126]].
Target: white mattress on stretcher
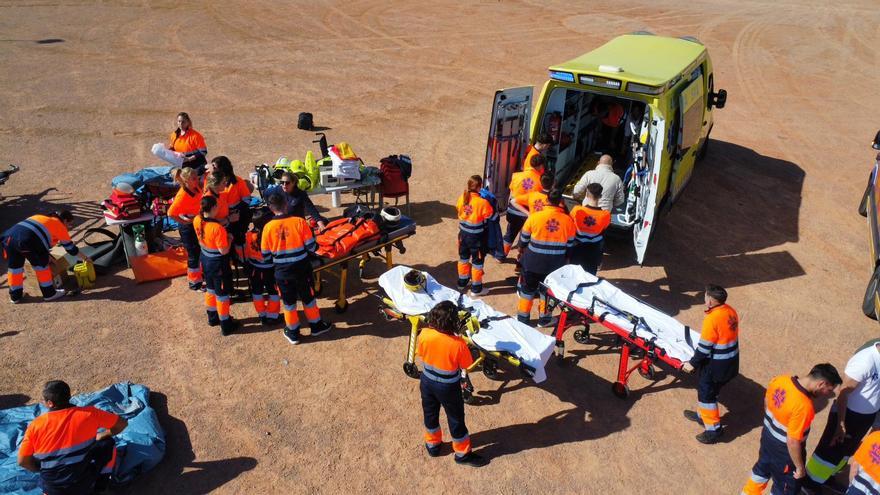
[[504, 335], [666, 332]]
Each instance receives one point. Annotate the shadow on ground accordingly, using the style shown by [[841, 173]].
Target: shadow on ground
[[180, 472]]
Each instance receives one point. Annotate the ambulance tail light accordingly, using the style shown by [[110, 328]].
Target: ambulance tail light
[[641, 88], [600, 82], [562, 76]]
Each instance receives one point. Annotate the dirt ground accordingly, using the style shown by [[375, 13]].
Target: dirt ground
[[771, 214]]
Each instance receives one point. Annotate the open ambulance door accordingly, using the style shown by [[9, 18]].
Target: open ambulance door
[[691, 114], [508, 139], [648, 184]]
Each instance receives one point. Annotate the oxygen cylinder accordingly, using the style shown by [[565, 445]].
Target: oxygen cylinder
[[140, 242]]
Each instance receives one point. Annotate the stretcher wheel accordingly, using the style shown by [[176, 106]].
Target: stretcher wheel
[[340, 308], [411, 370], [582, 336], [620, 390], [467, 396], [649, 374], [490, 370]]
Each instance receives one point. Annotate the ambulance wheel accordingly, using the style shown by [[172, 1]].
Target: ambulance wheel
[[467, 396], [340, 308], [620, 390], [648, 375], [490, 370], [411, 370], [871, 294], [582, 336]]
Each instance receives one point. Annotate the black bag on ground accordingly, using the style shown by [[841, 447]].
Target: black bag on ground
[[305, 121]]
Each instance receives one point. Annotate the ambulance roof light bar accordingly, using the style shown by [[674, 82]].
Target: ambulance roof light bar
[[562, 76], [599, 82]]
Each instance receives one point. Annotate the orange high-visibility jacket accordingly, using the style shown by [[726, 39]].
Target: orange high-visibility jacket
[[444, 355], [546, 238]]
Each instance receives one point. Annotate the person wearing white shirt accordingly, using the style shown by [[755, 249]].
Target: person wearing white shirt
[[851, 416], [612, 185]]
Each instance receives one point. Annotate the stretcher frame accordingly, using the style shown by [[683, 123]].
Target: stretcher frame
[[382, 250], [571, 316], [485, 359]]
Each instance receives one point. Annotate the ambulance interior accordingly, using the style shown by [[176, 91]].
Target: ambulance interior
[[587, 125]]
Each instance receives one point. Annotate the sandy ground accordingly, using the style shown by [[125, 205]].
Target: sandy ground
[[771, 215]]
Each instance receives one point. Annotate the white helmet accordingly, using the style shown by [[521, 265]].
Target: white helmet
[[390, 215]]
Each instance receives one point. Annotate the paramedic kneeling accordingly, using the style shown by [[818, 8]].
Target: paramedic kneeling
[[445, 356], [788, 413], [71, 447], [31, 239], [287, 242], [717, 357]]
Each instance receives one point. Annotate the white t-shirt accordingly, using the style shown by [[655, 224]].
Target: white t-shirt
[[864, 367]]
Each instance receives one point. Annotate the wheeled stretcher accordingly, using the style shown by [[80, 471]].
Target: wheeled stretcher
[[379, 248], [584, 299], [492, 336]]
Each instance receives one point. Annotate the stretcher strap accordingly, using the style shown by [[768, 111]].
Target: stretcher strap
[[484, 323], [580, 286]]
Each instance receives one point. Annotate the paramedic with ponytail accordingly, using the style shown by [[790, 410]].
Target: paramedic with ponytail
[[215, 185], [546, 240], [188, 141], [261, 274], [237, 195], [717, 357], [474, 213], [591, 222], [183, 210], [446, 357], [287, 243], [215, 242], [31, 239]]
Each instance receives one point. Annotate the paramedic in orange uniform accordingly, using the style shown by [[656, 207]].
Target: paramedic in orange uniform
[[237, 195], [183, 210], [536, 199], [215, 242], [717, 357], [546, 239], [445, 356], [864, 471], [71, 447], [188, 141], [215, 187], [474, 213], [788, 413], [287, 242], [31, 239], [542, 144], [520, 184], [261, 275], [591, 222]]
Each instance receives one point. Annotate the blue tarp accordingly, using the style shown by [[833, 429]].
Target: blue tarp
[[161, 175], [139, 447]]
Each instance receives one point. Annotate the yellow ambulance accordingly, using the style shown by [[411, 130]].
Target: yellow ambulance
[[645, 100], [870, 207]]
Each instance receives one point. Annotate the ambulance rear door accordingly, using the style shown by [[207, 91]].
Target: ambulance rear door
[[691, 114], [648, 185], [508, 139]]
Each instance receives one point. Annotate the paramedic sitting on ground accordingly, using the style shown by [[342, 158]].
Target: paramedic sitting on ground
[[31, 239], [71, 447], [188, 141], [788, 412], [287, 243], [850, 418], [298, 202], [603, 174], [717, 357], [445, 356]]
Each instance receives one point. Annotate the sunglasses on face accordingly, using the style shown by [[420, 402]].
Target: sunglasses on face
[[285, 182]]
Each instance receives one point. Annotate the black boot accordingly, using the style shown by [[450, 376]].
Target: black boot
[[213, 319], [228, 326]]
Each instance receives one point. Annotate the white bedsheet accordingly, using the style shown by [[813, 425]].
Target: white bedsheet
[[667, 332], [505, 335], [173, 157]]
